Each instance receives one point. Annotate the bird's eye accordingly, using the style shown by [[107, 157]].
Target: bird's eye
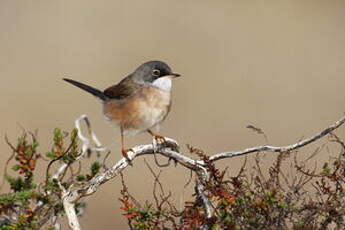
[[156, 73]]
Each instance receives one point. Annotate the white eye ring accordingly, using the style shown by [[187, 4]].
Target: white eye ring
[[156, 73]]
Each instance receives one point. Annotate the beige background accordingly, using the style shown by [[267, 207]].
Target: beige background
[[276, 64]]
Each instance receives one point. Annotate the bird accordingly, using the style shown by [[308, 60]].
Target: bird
[[139, 102]]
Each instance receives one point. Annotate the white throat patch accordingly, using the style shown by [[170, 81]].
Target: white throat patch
[[164, 83]]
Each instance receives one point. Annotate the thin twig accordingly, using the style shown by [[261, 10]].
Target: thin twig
[[281, 148], [74, 193]]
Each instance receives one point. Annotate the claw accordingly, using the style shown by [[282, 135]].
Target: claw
[[157, 142], [125, 155], [175, 147], [161, 141]]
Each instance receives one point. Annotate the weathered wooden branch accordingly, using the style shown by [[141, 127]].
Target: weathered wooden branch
[[74, 193]]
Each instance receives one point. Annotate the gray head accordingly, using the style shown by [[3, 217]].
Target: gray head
[[151, 71]]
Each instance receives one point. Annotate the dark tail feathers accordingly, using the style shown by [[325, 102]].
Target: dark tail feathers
[[93, 91]]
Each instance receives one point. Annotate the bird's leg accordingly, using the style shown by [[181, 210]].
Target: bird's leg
[[160, 140], [123, 150], [157, 140]]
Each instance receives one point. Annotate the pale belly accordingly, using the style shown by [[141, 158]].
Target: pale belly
[[141, 112]]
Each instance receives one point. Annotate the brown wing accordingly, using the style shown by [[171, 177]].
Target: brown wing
[[123, 89]]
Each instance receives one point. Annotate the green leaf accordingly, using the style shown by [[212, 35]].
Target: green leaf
[[95, 167], [17, 196], [15, 167], [51, 155], [57, 135], [80, 178], [74, 135]]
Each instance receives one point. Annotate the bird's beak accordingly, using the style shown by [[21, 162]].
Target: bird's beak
[[174, 75]]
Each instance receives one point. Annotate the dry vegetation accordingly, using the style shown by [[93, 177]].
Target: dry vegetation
[[307, 199], [290, 195]]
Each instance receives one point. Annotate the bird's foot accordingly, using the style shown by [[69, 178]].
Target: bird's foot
[[160, 139], [161, 142], [174, 146], [158, 142], [125, 155]]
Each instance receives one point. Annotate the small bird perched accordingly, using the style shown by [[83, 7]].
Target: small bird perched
[[139, 102]]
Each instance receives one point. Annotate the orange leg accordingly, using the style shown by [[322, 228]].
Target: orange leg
[[160, 139], [123, 150]]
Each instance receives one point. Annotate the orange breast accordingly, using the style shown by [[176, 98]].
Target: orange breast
[[146, 108]]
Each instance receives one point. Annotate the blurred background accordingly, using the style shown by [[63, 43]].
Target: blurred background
[[278, 65]]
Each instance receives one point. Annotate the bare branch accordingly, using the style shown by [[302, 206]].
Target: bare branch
[[69, 210], [282, 148], [207, 204], [74, 193]]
